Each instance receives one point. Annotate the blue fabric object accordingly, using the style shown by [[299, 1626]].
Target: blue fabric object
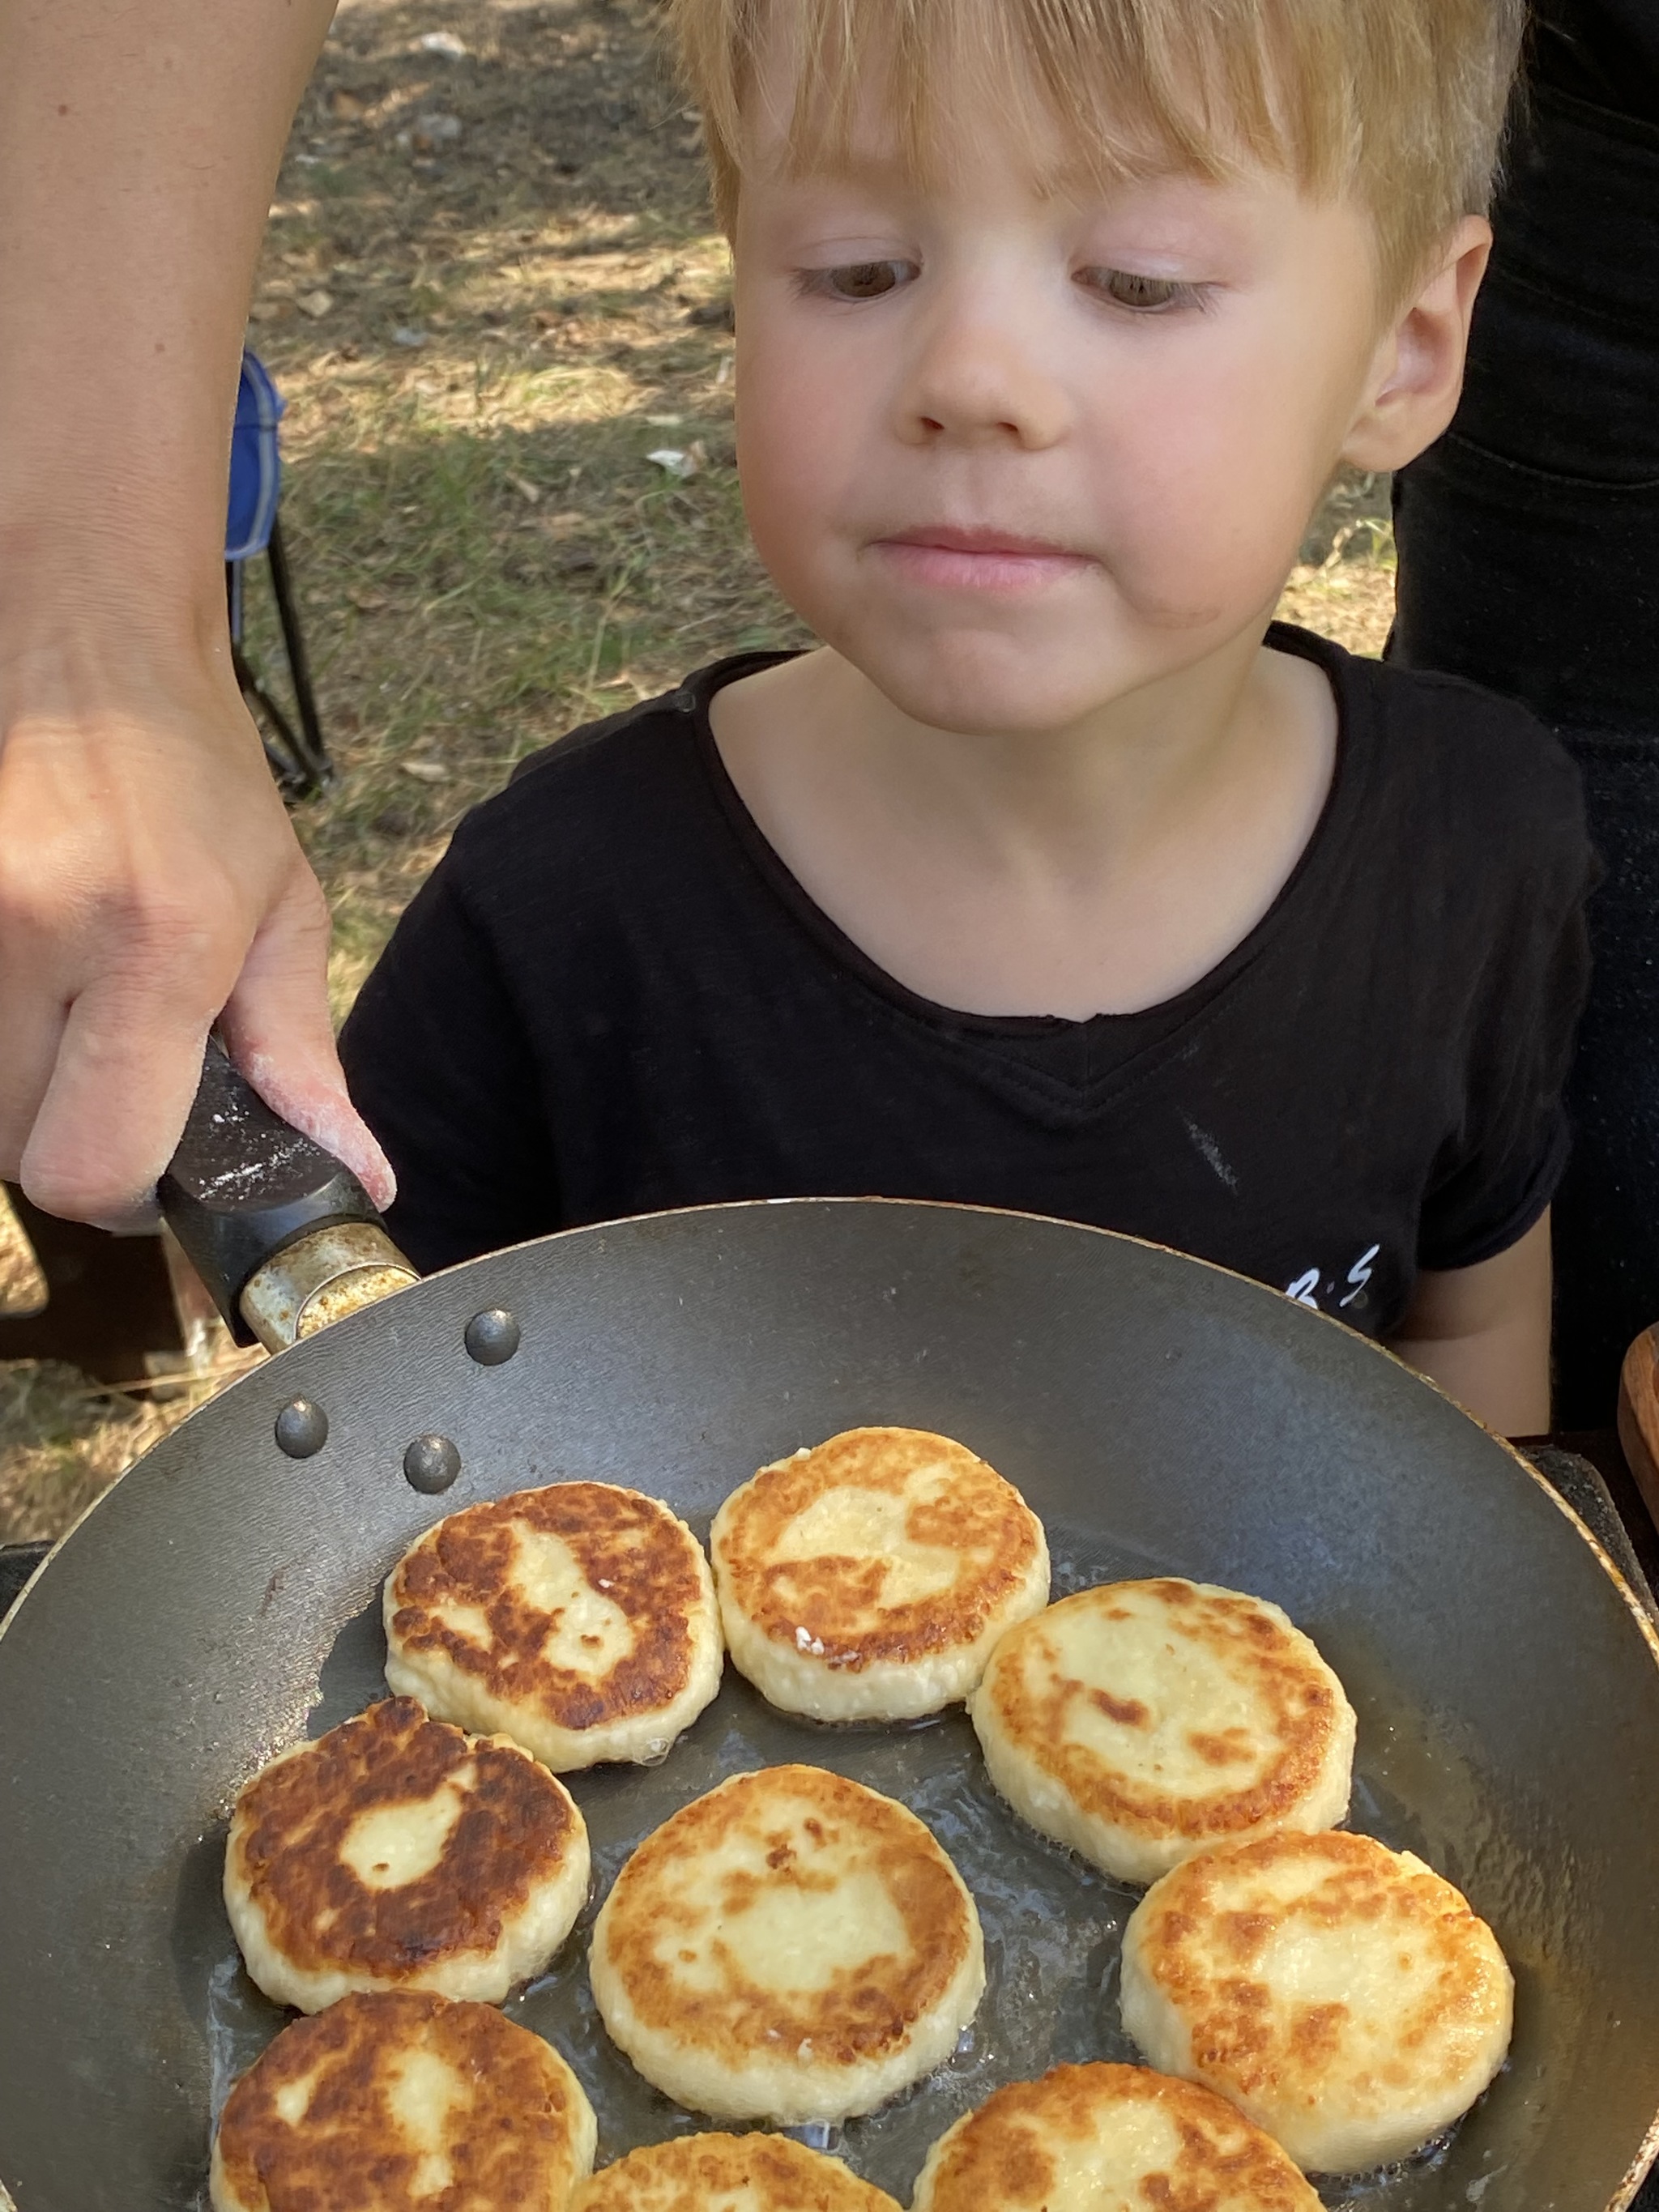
[[255, 468]]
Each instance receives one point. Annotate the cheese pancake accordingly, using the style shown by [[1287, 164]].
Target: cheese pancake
[[868, 1579], [1144, 1721], [403, 2103], [790, 1947], [1101, 2138], [1341, 1994], [579, 1620], [729, 2173], [397, 1853]]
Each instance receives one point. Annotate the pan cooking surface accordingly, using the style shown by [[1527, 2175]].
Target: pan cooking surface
[[1159, 1415], [1053, 1923]]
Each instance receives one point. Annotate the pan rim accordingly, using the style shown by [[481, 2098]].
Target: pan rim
[[1640, 1614], [1624, 2195]]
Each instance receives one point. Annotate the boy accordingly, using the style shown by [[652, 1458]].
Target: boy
[[1053, 880]]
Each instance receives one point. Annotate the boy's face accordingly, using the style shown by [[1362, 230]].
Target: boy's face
[[1016, 452]]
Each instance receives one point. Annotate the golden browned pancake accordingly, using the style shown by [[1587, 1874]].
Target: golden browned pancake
[[1104, 2138], [403, 2104], [729, 2173], [1144, 1721], [790, 1947], [868, 1579], [1341, 1994], [398, 1853], [579, 1620]]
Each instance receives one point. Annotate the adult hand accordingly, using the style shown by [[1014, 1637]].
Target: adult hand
[[150, 883]]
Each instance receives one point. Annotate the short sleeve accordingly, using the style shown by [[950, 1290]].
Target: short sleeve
[[1499, 1168], [437, 1063]]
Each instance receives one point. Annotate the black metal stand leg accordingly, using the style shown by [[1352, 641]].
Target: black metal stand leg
[[298, 758], [283, 751], [314, 753]]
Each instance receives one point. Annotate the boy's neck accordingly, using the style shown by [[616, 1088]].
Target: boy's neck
[[1074, 801], [1099, 867]]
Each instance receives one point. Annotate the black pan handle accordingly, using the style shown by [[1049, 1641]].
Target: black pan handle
[[245, 1192]]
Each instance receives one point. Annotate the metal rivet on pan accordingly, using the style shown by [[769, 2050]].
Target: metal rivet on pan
[[431, 1463], [492, 1336], [301, 1428]]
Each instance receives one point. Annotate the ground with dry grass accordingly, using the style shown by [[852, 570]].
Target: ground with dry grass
[[493, 300]]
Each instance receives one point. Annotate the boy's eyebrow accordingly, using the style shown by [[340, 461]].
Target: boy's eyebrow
[[1069, 175], [853, 166], [1099, 192]]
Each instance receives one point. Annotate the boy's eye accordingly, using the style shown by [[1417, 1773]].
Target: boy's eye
[[1145, 295], [857, 280]]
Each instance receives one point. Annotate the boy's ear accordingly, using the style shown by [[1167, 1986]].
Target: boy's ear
[[1417, 373]]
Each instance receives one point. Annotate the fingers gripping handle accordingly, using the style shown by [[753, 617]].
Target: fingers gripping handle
[[285, 1237]]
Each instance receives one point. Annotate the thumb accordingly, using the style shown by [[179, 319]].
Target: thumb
[[276, 1029]]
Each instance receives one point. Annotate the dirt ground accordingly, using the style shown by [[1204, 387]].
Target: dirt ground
[[495, 302]]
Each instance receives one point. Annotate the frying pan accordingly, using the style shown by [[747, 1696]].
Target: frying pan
[[1159, 1413]]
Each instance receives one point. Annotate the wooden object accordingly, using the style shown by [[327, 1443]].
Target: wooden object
[[121, 1309], [1638, 1415]]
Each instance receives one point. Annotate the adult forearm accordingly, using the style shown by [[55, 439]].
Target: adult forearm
[[138, 147], [150, 883]]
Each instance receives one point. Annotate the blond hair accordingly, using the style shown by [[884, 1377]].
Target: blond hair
[[1398, 103]]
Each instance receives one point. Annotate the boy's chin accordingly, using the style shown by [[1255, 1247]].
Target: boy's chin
[[988, 693]]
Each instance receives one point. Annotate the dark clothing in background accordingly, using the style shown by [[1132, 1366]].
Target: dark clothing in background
[[613, 997], [1528, 541], [1605, 51]]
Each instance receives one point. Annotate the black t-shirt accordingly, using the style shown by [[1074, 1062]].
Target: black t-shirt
[[613, 997]]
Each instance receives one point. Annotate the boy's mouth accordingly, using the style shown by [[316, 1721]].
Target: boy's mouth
[[947, 557]]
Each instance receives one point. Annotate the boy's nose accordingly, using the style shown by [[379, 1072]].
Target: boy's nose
[[978, 377]]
